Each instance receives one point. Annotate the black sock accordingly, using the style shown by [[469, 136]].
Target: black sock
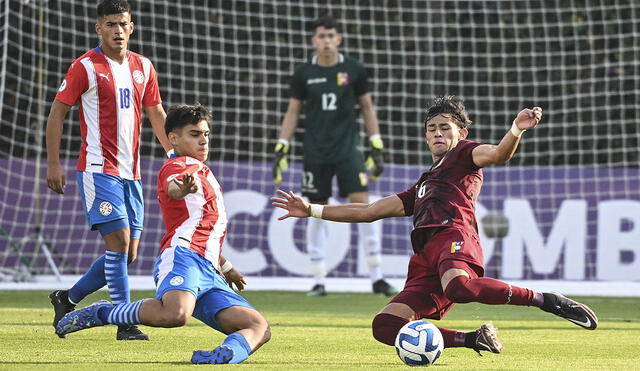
[[549, 304], [470, 339], [64, 297]]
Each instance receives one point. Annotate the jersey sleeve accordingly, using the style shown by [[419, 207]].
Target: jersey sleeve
[[465, 156], [297, 87], [362, 82], [171, 170], [151, 91], [75, 83], [408, 198]]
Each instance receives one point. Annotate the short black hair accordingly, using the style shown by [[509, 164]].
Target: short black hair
[[183, 115], [108, 7], [448, 105], [327, 21]]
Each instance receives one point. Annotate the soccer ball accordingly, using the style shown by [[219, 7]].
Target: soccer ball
[[419, 343]]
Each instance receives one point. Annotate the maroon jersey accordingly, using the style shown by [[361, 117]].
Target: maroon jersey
[[445, 196]]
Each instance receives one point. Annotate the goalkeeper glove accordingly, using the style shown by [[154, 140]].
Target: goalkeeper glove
[[374, 161], [281, 160]]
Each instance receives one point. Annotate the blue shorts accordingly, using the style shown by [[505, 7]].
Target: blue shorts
[[107, 198], [179, 268]]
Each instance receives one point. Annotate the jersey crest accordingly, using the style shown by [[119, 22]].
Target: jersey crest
[[343, 78]]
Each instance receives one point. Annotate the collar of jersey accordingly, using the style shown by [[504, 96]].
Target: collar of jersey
[[314, 59]]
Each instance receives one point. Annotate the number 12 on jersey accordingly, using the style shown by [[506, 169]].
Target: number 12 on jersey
[[329, 102]]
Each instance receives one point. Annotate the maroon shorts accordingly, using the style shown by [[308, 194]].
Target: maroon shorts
[[446, 249]]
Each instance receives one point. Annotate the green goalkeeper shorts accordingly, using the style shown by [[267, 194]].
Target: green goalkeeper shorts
[[317, 178]]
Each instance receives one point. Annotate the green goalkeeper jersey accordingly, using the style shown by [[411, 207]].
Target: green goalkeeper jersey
[[330, 96]]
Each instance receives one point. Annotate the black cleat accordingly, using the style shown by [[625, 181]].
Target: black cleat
[[61, 306], [487, 339], [130, 332], [317, 290], [382, 287], [570, 310]]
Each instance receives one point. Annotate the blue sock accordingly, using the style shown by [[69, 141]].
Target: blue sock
[[92, 281], [123, 314], [115, 273], [240, 347]]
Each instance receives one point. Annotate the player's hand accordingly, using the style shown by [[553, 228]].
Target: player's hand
[[186, 184], [235, 277], [528, 118], [291, 202], [281, 162], [374, 161], [56, 179]]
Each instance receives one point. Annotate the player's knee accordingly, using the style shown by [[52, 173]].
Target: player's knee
[[266, 334], [385, 327], [458, 292], [177, 318]]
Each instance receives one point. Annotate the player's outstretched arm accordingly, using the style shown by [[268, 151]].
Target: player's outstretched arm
[[297, 207], [488, 154], [56, 179]]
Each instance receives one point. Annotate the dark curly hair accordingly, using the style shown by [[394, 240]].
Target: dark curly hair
[[183, 115], [327, 21], [448, 105], [108, 7]]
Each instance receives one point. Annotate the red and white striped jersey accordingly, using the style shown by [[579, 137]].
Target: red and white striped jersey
[[199, 221], [111, 96]]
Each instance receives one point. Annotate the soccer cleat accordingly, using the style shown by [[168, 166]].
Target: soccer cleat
[[130, 332], [487, 339], [317, 290], [61, 306], [221, 355], [382, 287], [570, 310], [81, 319]]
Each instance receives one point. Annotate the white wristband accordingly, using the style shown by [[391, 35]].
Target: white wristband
[[226, 267], [316, 210], [516, 131], [374, 137], [170, 153]]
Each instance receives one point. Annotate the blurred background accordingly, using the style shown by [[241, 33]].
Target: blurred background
[[571, 194]]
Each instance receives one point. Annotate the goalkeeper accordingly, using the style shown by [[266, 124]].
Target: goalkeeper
[[331, 85]]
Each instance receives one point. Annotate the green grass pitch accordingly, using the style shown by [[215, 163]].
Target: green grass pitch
[[324, 333]]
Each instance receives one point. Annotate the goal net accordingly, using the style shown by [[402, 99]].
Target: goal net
[[571, 193]]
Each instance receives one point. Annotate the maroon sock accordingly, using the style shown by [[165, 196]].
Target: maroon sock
[[486, 290], [386, 327], [452, 338]]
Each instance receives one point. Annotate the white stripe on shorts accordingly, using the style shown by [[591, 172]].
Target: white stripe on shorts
[[89, 189], [166, 264]]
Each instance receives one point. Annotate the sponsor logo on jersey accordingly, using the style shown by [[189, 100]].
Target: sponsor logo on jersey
[[138, 76], [63, 85], [456, 246], [105, 208], [343, 78], [316, 80], [104, 76], [177, 280]]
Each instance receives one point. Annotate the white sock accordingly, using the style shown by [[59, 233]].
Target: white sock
[[317, 233]]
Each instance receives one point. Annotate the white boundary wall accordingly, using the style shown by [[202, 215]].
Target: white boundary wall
[[580, 288]]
